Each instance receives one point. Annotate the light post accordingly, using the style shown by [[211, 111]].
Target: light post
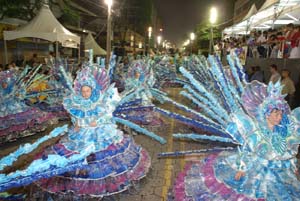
[[187, 42], [158, 42], [149, 36], [108, 36], [212, 20], [192, 37]]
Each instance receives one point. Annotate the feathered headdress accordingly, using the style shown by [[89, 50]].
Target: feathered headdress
[[92, 76], [138, 66], [260, 99]]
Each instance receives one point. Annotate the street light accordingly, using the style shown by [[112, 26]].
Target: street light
[[149, 31], [131, 40], [149, 35], [212, 20], [158, 40], [192, 37], [213, 15], [187, 42], [108, 35]]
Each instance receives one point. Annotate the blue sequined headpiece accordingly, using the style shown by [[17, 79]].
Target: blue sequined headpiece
[[93, 76], [275, 99], [261, 100], [85, 78], [140, 67]]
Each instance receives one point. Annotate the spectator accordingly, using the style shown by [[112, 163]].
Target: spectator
[[51, 58], [288, 86], [257, 74], [288, 37], [280, 45], [33, 60], [295, 40], [272, 41], [288, 31], [12, 66], [261, 41], [275, 76]]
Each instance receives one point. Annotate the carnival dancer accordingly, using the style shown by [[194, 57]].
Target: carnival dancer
[[139, 88], [17, 119], [257, 120], [94, 158]]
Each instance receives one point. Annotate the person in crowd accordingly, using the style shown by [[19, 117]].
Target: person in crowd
[[257, 74], [33, 60], [272, 44], [288, 36], [295, 40], [50, 59], [275, 76], [280, 44], [261, 41], [288, 86]]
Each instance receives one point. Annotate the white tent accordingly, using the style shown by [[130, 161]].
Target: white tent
[[268, 3], [90, 43], [272, 13], [44, 26], [252, 11]]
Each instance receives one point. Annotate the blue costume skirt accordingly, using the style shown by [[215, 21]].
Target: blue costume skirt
[[109, 171], [214, 179]]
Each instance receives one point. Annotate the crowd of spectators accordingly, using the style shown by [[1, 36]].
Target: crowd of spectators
[[273, 43], [291, 89]]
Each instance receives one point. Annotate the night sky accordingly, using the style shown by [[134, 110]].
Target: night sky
[[180, 17]]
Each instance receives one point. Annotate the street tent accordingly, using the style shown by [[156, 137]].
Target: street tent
[[90, 43], [272, 13], [252, 11], [44, 26], [245, 22], [268, 3]]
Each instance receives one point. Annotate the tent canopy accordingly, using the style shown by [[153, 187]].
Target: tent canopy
[[272, 13], [90, 43], [44, 26], [268, 3], [252, 11]]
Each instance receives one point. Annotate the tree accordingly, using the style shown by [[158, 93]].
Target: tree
[[27, 9], [203, 35], [21, 9], [203, 31], [135, 15]]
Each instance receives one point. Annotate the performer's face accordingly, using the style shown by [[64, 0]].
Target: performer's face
[[4, 85], [137, 75], [275, 117], [86, 92]]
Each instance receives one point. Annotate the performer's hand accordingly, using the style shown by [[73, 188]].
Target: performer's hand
[[76, 128], [297, 172], [93, 124], [239, 175]]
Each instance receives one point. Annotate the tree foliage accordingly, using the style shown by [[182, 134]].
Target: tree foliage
[[135, 15], [27, 9], [203, 31], [69, 16], [21, 9]]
